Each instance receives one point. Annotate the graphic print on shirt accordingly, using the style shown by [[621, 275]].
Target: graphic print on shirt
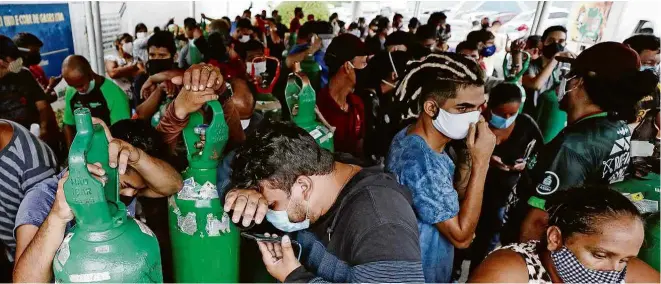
[[549, 184], [95, 102], [615, 166]]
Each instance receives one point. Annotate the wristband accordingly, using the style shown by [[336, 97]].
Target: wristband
[[537, 202]]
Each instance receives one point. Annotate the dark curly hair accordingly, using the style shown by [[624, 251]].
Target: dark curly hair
[[278, 153], [584, 209]]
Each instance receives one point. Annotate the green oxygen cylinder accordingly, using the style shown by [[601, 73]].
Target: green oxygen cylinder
[[105, 245], [265, 102], [301, 101], [313, 71], [156, 118], [205, 243]]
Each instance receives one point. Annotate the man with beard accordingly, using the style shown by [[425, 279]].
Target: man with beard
[[599, 96], [353, 224]]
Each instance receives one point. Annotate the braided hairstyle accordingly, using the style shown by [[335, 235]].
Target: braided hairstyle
[[437, 77]]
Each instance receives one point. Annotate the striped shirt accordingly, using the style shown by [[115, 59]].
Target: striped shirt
[[24, 162]]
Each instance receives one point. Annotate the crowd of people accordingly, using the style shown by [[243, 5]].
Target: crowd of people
[[439, 158]]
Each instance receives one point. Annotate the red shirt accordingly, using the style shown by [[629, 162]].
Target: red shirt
[[294, 25], [350, 124], [39, 75]]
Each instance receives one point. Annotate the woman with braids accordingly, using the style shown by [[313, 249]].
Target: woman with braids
[[599, 96], [593, 236], [449, 89]]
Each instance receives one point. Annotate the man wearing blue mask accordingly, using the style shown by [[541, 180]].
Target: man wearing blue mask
[[648, 48], [358, 221], [101, 96], [449, 89]]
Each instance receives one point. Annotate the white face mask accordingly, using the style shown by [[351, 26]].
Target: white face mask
[[15, 66], [455, 125], [245, 123], [356, 32], [127, 47], [325, 43], [244, 38], [90, 87], [280, 220], [260, 67], [141, 35]]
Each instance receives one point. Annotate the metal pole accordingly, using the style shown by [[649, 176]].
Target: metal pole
[[357, 9], [98, 35], [535, 20], [542, 18], [192, 9], [91, 42], [416, 10]]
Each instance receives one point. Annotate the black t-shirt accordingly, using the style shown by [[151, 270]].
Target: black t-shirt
[[375, 222], [95, 101], [593, 151], [276, 49], [523, 143], [19, 93]]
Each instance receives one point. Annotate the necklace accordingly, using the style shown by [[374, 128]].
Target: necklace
[[353, 168]]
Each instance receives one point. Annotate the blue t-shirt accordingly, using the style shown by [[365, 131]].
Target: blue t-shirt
[[428, 174], [39, 200], [318, 57]]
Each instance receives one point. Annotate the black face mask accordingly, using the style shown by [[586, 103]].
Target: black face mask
[[31, 58], [550, 50], [485, 26], [155, 66]]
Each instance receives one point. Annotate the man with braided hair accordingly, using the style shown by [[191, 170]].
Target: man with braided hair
[[449, 89]]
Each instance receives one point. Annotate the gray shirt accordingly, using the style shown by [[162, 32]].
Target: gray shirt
[[536, 67], [24, 163]]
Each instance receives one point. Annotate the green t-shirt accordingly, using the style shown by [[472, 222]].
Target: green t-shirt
[[106, 101], [548, 115]]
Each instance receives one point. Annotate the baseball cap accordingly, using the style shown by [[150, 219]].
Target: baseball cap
[[8, 48], [607, 60], [344, 48]]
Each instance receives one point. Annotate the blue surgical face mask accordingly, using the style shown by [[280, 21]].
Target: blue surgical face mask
[[501, 122], [280, 220], [488, 51], [90, 87], [654, 68]]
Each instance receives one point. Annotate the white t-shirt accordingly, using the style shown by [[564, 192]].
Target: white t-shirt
[[124, 83]]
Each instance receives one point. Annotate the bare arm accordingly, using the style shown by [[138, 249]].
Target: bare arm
[[35, 262], [163, 180], [502, 266], [537, 82], [150, 106], [462, 173], [459, 230], [300, 56], [116, 72], [47, 122], [69, 133], [36, 248]]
